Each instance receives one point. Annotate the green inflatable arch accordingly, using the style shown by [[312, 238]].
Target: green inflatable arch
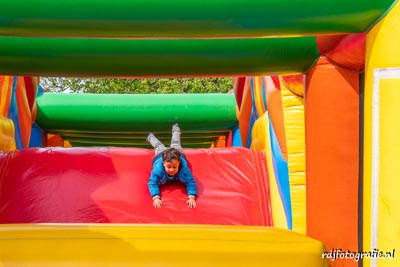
[[142, 58], [245, 37], [183, 18]]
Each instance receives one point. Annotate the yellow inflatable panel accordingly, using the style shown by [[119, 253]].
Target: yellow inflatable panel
[[155, 245], [381, 213], [293, 113], [7, 141]]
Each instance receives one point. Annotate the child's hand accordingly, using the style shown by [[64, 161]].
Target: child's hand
[[157, 203], [191, 202]]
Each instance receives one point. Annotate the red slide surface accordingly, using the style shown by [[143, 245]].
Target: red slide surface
[[109, 185]]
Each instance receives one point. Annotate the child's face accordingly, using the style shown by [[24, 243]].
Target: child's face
[[171, 167]]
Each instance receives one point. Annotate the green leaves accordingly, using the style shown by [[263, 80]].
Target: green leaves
[[137, 86]]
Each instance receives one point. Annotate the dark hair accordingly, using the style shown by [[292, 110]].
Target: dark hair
[[170, 154]]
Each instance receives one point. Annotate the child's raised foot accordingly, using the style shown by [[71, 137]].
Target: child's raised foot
[[148, 138], [175, 127]]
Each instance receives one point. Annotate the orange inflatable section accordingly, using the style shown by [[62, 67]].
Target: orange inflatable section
[[7, 140], [24, 112], [245, 112], [5, 94], [332, 159]]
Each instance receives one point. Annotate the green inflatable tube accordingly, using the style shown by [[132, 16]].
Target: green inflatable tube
[[125, 120], [135, 112], [155, 58], [183, 18]]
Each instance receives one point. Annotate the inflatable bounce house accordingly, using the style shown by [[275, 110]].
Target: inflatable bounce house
[[296, 167]]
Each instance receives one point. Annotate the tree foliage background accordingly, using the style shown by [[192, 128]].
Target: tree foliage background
[[137, 86]]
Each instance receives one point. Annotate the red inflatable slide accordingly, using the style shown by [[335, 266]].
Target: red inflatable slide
[[109, 185]]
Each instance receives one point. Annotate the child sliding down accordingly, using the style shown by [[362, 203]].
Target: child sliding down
[[170, 164]]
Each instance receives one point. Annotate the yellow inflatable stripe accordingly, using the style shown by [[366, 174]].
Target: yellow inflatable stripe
[[156, 245], [261, 141], [293, 112], [7, 141], [257, 85]]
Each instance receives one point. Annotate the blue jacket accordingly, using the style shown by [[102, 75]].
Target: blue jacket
[[159, 176]]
